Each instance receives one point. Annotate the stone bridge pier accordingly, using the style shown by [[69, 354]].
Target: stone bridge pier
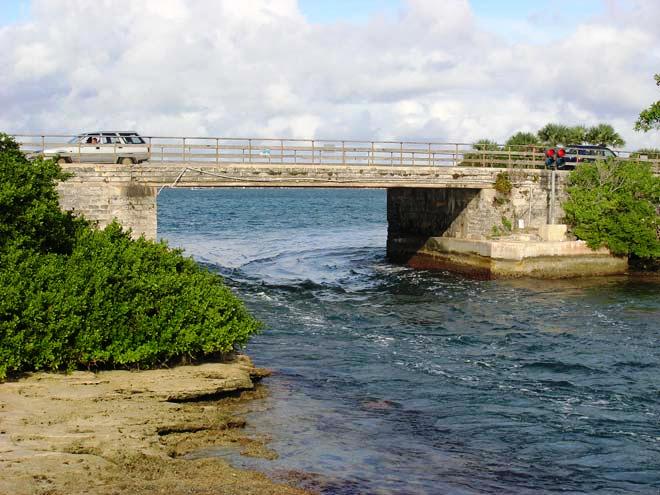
[[103, 199], [488, 233], [416, 214]]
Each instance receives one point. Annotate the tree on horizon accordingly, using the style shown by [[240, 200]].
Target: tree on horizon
[[649, 118]]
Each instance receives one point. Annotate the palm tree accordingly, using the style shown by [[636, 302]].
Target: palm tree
[[604, 134], [486, 145], [576, 135], [554, 134], [522, 140]]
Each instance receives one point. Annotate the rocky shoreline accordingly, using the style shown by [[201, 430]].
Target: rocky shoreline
[[127, 432]]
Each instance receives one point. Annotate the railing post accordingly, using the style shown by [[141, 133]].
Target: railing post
[[43, 143], [401, 154], [149, 154], [313, 152], [184, 150], [249, 150], [343, 152], [282, 151], [217, 151], [373, 157], [552, 195], [456, 155], [430, 163]]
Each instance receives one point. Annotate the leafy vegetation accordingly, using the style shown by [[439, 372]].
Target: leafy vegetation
[[77, 297], [503, 183], [529, 147], [554, 134], [486, 145], [522, 140], [616, 204], [603, 134], [649, 153], [649, 118]]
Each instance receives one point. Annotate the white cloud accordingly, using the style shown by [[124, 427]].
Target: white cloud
[[258, 68]]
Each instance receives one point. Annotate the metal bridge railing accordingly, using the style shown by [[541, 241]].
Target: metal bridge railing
[[297, 152]]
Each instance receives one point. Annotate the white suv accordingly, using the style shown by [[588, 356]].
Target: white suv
[[102, 147]]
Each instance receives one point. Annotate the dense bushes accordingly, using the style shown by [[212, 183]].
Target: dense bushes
[[29, 212], [73, 296], [615, 204]]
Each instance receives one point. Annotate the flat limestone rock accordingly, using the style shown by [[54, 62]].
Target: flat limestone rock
[[187, 383], [126, 432]]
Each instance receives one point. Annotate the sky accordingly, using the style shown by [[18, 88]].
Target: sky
[[431, 70]]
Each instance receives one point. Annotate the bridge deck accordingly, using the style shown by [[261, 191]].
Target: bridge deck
[[162, 175]]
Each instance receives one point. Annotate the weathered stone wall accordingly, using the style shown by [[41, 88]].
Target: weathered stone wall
[[473, 213], [133, 205], [305, 175], [430, 212]]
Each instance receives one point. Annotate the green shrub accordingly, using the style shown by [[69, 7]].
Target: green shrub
[[615, 204], [503, 183], [29, 211], [486, 145], [649, 153], [522, 141], [76, 297]]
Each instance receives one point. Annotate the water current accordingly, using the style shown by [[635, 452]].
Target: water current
[[394, 381]]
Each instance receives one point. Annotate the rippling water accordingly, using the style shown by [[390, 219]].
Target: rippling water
[[394, 381]]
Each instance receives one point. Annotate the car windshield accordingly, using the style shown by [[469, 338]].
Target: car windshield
[[76, 140]]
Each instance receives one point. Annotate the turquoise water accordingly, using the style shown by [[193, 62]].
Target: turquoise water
[[394, 381]]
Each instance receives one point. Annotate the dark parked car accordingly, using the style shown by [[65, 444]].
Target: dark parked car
[[576, 153]]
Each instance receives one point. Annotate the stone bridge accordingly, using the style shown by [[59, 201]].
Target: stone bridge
[[422, 201], [448, 205]]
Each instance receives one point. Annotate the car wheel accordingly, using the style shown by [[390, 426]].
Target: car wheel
[[126, 161], [62, 161]]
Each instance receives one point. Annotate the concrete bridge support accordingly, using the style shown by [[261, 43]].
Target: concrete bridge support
[[133, 205], [521, 203], [487, 234]]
